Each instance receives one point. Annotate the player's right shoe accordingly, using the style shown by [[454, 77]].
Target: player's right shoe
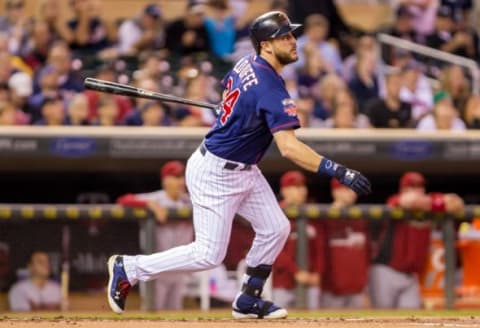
[[249, 307], [118, 284]]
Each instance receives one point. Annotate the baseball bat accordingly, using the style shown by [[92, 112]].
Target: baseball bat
[[131, 91]]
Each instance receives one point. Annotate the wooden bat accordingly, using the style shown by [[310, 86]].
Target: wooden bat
[[131, 91]]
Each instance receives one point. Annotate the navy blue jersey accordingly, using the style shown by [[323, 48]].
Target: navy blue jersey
[[255, 105]]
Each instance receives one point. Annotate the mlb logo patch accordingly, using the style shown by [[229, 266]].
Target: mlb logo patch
[[289, 107]]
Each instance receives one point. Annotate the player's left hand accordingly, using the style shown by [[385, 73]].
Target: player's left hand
[[354, 180]]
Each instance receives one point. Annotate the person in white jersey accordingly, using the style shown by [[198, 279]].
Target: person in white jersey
[[223, 177], [170, 289]]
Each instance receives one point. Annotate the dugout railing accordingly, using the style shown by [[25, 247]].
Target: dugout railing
[[74, 212]]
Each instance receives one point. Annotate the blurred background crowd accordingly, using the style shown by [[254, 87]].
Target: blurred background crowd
[[344, 77]]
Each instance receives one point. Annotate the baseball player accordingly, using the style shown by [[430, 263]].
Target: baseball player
[[346, 251], [169, 290], [401, 247], [286, 273], [223, 177]]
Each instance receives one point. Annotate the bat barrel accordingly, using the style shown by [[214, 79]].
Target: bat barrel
[[127, 90]]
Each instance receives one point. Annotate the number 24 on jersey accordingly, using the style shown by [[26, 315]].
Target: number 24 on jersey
[[229, 101]]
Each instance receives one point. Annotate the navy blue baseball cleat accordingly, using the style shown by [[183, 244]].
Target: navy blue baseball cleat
[[118, 285], [249, 307]]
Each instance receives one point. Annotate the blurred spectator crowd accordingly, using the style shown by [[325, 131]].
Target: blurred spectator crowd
[[343, 79]]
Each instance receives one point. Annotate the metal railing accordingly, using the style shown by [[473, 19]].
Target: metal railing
[[467, 63], [75, 212]]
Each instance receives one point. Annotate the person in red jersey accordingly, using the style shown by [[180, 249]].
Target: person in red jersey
[[286, 273], [401, 247]]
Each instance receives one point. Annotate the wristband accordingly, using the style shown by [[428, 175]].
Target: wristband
[[328, 167]]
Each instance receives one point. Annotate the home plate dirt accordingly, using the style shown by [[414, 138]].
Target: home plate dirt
[[464, 322]]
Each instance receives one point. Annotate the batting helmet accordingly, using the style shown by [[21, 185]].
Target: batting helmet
[[269, 26]]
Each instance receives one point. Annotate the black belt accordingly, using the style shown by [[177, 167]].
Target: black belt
[[228, 165]]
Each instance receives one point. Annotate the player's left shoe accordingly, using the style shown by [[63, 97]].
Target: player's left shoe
[[249, 307], [118, 284]]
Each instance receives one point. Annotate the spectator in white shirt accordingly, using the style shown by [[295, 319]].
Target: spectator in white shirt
[[142, 33], [37, 292], [416, 90], [444, 116]]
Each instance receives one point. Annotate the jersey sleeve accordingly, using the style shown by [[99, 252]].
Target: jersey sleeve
[[279, 110]]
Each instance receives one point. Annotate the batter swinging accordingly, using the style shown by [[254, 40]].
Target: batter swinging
[[223, 178]]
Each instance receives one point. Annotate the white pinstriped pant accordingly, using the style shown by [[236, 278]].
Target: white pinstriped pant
[[217, 195]]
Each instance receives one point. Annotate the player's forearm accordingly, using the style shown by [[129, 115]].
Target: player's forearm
[[305, 157], [301, 154]]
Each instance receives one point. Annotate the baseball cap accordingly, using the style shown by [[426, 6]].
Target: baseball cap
[[172, 168], [152, 10], [292, 178], [21, 83], [412, 179]]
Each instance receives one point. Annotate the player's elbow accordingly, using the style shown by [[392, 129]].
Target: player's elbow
[[287, 144], [287, 149]]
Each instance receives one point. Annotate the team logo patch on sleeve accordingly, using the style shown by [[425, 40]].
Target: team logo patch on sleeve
[[289, 107]]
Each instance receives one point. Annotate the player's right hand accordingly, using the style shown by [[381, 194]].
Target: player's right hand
[[354, 180]]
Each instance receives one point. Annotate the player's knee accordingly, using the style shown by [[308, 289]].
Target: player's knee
[[209, 262], [209, 257], [283, 230]]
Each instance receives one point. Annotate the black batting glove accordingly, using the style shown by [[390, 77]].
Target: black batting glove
[[354, 180]]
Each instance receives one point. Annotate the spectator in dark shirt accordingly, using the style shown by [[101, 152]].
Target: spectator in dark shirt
[[390, 112], [187, 35], [60, 59], [90, 32], [447, 37], [402, 28], [49, 14], [364, 84]]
